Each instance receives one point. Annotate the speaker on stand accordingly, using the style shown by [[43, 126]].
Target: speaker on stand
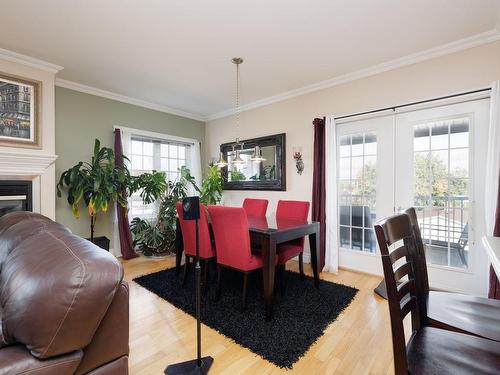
[[191, 211]]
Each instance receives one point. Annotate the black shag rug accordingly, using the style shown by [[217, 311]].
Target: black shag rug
[[299, 317]]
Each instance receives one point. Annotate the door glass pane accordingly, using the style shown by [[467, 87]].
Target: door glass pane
[[357, 191], [441, 177]]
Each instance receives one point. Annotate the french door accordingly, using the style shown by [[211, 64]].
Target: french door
[[432, 159]]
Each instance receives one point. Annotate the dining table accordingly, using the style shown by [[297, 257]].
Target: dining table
[[266, 234]]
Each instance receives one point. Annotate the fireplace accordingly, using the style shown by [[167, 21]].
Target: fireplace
[[15, 196]]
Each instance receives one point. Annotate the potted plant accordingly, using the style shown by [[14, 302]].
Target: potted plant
[[96, 184], [156, 237]]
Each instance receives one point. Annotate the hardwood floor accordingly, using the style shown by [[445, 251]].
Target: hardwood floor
[[358, 342]]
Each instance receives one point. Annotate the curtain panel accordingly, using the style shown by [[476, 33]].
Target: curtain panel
[[124, 234], [492, 183], [319, 184]]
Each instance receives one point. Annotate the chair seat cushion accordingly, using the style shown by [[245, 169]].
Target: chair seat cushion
[[254, 262], [436, 351], [288, 250], [475, 315]]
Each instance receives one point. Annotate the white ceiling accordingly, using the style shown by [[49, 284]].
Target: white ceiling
[[177, 53]]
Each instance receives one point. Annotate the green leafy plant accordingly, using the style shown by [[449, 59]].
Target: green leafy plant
[[157, 236], [236, 175], [211, 186], [96, 184]]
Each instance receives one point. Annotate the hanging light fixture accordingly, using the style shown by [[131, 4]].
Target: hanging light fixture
[[221, 163], [238, 159], [257, 155]]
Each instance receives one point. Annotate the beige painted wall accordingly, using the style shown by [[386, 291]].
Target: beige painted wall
[[46, 122], [80, 118], [466, 70]]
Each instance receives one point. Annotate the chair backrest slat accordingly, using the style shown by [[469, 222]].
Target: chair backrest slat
[[399, 253], [407, 305], [404, 270], [406, 288]]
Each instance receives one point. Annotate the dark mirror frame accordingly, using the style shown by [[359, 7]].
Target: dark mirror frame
[[278, 140]]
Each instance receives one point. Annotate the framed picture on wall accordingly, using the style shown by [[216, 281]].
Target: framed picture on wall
[[19, 111]]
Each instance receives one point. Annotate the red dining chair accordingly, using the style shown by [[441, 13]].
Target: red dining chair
[[255, 207], [207, 249], [291, 210], [232, 238]]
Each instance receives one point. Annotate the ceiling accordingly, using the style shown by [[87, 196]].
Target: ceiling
[[177, 53]]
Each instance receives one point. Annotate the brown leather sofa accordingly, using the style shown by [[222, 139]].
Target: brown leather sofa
[[63, 302]]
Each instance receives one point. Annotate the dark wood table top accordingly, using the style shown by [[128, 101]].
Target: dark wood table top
[[271, 224]]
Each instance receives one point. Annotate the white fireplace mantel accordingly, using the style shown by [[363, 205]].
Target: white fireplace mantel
[[24, 164]]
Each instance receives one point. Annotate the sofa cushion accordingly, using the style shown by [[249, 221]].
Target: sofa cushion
[[55, 288]]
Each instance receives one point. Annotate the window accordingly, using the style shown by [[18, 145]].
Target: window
[[441, 175], [148, 154], [357, 191]]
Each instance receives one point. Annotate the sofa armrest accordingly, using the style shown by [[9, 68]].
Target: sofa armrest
[[110, 341]]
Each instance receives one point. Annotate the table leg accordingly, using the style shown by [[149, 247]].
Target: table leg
[[314, 246], [268, 265], [179, 246]]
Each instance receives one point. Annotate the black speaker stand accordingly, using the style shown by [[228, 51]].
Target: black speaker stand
[[198, 366]]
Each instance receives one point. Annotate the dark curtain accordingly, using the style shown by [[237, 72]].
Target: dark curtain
[[494, 291], [319, 184], [126, 246]]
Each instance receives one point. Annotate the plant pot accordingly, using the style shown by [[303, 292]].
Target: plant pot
[[102, 242]]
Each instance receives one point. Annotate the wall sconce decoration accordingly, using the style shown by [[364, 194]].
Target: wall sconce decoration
[[299, 163]]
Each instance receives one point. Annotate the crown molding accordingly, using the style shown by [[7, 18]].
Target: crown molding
[[29, 61], [126, 99], [459, 45]]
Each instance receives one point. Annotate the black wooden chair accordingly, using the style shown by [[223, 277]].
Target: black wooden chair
[[429, 350], [452, 311]]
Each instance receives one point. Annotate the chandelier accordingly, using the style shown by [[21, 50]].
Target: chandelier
[[238, 145]]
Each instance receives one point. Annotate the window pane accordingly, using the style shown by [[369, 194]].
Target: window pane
[[370, 244], [172, 165], [136, 147], [345, 215], [439, 136], [148, 148], [164, 150], [370, 144], [182, 152], [147, 163], [357, 190], [172, 151], [357, 145], [357, 238], [459, 133], [459, 162], [136, 162], [344, 168], [345, 237], [164, 164], [421, 141], [357, 216]]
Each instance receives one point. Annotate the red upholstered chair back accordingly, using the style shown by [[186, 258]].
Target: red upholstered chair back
[[255, 207], [188, 228], [297, 210], [232, 236]]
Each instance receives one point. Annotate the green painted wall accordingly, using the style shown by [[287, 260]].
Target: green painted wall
[[80, 118]]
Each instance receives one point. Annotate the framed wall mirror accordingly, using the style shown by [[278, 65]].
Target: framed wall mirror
[[262, 164]]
